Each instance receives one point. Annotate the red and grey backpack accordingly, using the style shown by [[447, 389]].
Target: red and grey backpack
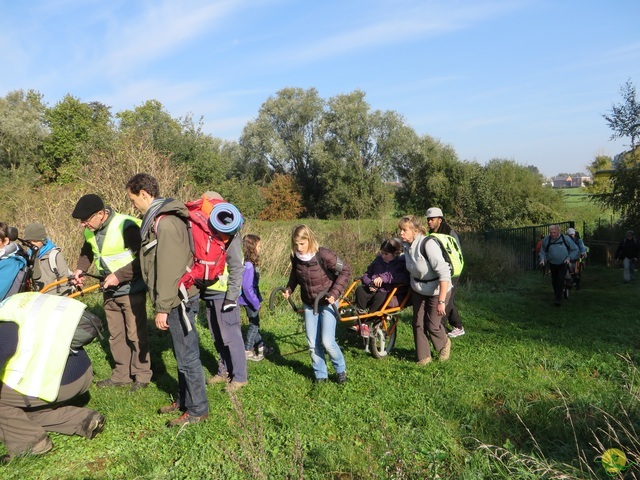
[[211, 226]]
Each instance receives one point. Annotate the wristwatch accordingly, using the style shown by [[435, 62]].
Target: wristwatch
[[441, 302]]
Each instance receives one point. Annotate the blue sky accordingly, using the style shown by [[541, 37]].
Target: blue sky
[[526, 80]]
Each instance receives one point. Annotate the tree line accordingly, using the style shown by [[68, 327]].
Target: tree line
[[302, 156]]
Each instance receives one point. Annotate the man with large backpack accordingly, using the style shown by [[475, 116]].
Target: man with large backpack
[[112, 245], [438, 225], [557, 252], [165, 256]]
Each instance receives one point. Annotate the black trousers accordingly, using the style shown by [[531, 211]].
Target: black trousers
[[558, 272]]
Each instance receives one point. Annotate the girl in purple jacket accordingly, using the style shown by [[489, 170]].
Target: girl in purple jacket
[[386, 271], [250, 298]]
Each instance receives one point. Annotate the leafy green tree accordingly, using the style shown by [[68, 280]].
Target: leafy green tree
[[600, 183], [517, 196], [22, 129], [430, 175], [151, 121], [624, 119], [359, 150], [283, 138], [76, 130]]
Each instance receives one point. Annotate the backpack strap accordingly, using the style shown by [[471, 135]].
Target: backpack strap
[[423, 251], [564, 240], [53, 265]]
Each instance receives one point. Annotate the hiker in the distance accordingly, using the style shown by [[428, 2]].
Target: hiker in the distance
[[557, 252], [437, 224], [431, 285], [627, 253], [313, 279]]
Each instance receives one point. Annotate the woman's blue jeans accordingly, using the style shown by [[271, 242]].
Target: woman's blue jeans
[[321, 337]]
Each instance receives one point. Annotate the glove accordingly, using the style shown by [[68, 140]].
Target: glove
[[229, 305]]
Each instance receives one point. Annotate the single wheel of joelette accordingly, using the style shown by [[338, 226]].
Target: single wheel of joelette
[[382, 337]]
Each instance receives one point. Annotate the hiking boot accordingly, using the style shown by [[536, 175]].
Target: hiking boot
[[254, 357], [92, 425], [424, 361], [342, 378], [138, 386], [186, 419], [456, 332], [41, 447], [217, 379], [168, 408], [234, 386], [557, 303], [319, 381], [110, 383], [266, 350], [446, 351]]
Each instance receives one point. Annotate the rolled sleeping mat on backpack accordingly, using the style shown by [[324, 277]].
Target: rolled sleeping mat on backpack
[[226, 218]]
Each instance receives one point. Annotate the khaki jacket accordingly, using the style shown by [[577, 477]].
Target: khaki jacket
[[165, 254]]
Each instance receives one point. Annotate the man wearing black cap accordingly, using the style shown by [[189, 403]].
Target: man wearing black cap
[[112, 243]]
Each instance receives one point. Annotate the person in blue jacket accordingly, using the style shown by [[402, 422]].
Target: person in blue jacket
[[12, 261], [250, 298]]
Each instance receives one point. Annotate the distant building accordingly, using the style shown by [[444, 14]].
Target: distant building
[[570, 181]]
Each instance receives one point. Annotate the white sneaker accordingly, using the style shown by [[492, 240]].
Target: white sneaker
[[456, 332], [251, 355]]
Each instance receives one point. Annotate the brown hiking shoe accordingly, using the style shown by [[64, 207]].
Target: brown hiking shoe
[[446, 351], [186, 419], [422, 362], [168, 408], [41, 447], [92, 425]]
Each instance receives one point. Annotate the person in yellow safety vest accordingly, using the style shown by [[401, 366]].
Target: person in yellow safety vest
[[39, 374], [112, 243]]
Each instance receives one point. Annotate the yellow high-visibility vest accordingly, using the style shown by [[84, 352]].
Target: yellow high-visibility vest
[[113, 253], [46, 325]]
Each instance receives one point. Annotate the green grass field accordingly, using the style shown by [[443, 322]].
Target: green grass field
[[531, 391], [582, 210]]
